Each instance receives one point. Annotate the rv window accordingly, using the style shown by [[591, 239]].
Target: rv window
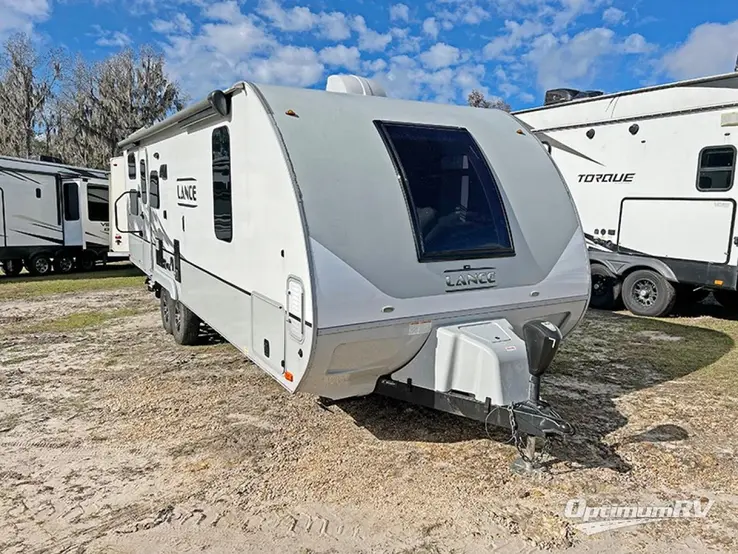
[[717, 165], [455, 206], [222, 208], [132, 166], [143, 181], [154, 190], [71, 202], [38, 193], [97, 203]]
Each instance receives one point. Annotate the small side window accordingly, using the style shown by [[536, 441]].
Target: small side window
[[38, 193], [154, 190], [97, 203], [143, 181], [716, 169], [163, 173], [222, 208], [132, 166], [71, 202]]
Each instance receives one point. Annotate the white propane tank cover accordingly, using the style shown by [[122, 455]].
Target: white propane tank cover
[[353, 84]]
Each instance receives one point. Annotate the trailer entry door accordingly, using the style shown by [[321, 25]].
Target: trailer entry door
[[3, 234], [72, 221]]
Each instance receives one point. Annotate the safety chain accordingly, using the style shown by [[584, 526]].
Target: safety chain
[[521, 443]]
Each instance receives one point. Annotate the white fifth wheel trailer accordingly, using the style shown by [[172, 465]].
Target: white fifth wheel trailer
[[351, 244], [652, 173], [52, 216]]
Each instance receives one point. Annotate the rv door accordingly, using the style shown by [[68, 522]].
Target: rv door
[[3, 237], [71, 210]]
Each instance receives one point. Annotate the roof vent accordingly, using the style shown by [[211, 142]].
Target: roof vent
[[353, 84]]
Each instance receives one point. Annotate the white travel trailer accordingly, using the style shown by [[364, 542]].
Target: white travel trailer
[[350, 244], [652, 173], [52, 216]]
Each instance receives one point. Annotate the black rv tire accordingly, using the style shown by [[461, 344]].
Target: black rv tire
[[728, 299], [648, 293], [63, 263], [11, 268], [86, 261], [185, 324], [39, 264], [166, 307], [606, 288]]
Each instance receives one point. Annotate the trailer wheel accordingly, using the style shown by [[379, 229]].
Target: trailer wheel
[[86, 261], [39, 264], [728, 299], [11, 268], [166, 307], [63, 263], [185, 324], [606, 288], [648, 293]]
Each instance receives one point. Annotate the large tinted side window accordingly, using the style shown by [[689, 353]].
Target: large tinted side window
[[154, 189], [132, 166], [97, 203], [71, 202], [222, 206], [456, 207], [143, 181], [716, 169]]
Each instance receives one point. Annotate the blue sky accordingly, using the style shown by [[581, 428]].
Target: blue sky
[[436, 51]]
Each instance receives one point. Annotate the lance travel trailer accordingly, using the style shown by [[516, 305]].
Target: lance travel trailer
[[349, 243], [652, 175], [52, 216]]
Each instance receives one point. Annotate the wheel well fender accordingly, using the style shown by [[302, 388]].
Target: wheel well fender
[[162, 281], [622, 264]]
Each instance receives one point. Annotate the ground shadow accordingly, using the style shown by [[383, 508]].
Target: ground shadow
[[118, 269], [707, 307], [608, 356]]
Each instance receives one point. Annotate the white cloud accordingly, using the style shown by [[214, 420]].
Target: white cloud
[[399, 12], [115, 39], [431, 28], [465, 11], [440, 55], [334, 26], [613, 15], [369, 39], [21, 15], [290, 65], [517, 33], [561, 61], [341, 56], [710, 49], [330, 25], [179, 24]]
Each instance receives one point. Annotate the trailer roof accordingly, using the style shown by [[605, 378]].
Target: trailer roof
[[26, 164], [673, 84]]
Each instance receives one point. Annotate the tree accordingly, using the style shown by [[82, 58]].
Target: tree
[[27, 83], [80, 114], [477, 100]]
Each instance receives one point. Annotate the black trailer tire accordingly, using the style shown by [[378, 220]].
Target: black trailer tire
[[606, 288], [166, 308], [11, 268], [39, 264], [86, 261], [728, 299], [648, 293], [185, 324], [63, 263]]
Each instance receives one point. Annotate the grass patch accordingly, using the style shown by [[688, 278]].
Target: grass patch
[[79, 320], [26, 286]]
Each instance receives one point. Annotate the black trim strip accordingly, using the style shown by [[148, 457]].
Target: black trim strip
[[213, 275], [55, 241], [183, 179]]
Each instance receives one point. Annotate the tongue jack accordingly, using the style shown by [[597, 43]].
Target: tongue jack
[[542, 340]]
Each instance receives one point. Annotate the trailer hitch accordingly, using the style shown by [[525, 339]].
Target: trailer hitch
[[534, 418]]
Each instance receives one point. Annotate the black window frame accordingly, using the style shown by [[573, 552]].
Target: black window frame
[[701, 170], [143, 177], [38, 192], [154, 183], [105, 216], [450, 255], [131, 166], [225, 237], [71, 209]]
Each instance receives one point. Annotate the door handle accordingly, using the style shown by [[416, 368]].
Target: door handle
[[735, 241]]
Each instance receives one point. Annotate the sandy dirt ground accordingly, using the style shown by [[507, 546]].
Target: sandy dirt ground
[[114, 439]]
